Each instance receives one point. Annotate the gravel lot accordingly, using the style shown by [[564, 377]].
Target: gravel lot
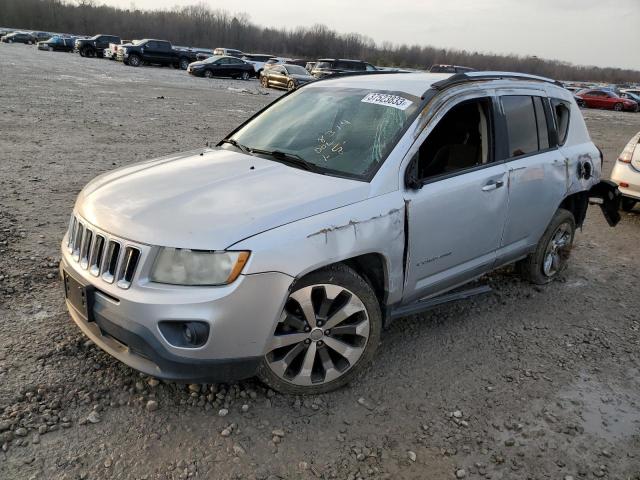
[[524, 383]]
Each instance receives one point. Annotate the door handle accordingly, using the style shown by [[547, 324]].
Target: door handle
[[492, 186]]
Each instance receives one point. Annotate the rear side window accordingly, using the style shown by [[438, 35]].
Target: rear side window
[[522, 127], [562, 114]]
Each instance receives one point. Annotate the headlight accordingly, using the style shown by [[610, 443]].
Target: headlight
[[179, 266]]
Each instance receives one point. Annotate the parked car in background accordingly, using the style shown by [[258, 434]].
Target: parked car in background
[[635, 91], [41, 36], [155, 52], [58, 44], [309, 66], [218, 66], [111, 52], [285, 76], [258, 61], [441, 68], [325, 67], [606, 99], [286, 250], [275, 61], [297, 61], [626, 173], [228, 52], [95, 46], [631, 96], [19, 37]]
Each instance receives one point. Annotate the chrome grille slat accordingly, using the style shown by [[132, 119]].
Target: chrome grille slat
[[110, 259], [97, 254]]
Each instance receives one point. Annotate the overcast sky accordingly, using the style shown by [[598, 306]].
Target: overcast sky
[[588, 32]]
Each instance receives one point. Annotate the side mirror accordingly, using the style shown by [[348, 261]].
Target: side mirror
[[411, 179]]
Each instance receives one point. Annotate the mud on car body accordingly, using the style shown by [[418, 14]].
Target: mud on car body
[[346, 203]]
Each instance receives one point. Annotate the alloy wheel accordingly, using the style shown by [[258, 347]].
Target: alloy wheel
[[617, 107], [557, 250], [291, 85], [322, 333], [208, 74], [245, 75]]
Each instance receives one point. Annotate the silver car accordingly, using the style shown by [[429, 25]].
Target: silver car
[[286, 250]]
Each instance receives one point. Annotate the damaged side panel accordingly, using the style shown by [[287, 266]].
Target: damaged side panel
[[376, 226]]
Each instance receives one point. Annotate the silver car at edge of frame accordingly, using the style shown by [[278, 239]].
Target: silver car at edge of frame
[[626, 173], [286, 250]]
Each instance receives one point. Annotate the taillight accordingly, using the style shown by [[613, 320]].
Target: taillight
[[627, 154]]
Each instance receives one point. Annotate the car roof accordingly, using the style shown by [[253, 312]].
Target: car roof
[[417, 83], [340, 60]]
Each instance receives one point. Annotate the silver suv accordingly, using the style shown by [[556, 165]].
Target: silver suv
[[286, 250]]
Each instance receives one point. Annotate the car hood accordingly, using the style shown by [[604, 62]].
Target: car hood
[[209, 199]]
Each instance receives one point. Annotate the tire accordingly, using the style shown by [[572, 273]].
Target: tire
[[264, 81], [291, 85], [50, 48], [184, 63], [245, 76], [334, 294], [618, 107], [627, 204], [134, 60], [88, 52], [208, 74], [552, 252]]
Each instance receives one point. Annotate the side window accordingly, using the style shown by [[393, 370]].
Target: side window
[[522, 129], [562, 115], [461, 140], [541, 120]]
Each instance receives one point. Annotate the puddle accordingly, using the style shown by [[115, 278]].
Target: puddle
[[610, 413]]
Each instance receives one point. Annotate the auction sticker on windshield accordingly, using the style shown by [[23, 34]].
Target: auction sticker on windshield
[[387, 100]]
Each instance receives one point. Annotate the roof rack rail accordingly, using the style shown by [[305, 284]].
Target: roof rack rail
[[460, 78]]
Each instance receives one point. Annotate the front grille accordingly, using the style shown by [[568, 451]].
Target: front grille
[[108, 258]]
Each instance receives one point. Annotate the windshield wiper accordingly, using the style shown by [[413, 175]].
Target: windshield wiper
[[289, 158], [239, 146]]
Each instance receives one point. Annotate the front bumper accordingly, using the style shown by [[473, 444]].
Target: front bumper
[[125, 323]]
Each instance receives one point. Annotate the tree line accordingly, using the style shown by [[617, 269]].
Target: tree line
[[200, 26]]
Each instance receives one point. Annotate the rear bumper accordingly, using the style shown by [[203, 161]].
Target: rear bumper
[[627, 178], [607, 195]]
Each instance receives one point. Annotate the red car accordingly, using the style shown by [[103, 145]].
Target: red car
[[605, 99]]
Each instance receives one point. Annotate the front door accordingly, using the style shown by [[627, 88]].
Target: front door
[[457, 208]]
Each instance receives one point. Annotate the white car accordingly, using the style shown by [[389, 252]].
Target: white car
[[258, 60], [626, 173]]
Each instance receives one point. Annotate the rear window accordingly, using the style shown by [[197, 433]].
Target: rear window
[[562, 114], [323, 65]]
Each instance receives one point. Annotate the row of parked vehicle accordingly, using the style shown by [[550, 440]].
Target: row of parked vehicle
[[606, 97]]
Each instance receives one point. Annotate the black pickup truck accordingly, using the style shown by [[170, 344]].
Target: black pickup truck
[[159, 52], [94, 46]]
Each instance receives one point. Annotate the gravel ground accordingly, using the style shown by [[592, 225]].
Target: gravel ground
[[524, 383]]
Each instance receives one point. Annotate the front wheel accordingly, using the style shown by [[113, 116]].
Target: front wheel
[[265, 82], [617, 107], [328, 332], [134, 60], [291, 85], [245, 76], [208, 73], [553, 250]]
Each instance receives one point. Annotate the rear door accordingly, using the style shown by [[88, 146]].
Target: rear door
[[166, 54], [537, 170]]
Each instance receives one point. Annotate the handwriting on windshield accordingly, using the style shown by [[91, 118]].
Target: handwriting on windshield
[[328, 145]]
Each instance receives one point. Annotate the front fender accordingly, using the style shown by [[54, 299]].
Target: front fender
[[375, 225]]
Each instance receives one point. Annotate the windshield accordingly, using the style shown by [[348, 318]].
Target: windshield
[[212, 59], [296, 70], [344, 131], [323, 65]]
